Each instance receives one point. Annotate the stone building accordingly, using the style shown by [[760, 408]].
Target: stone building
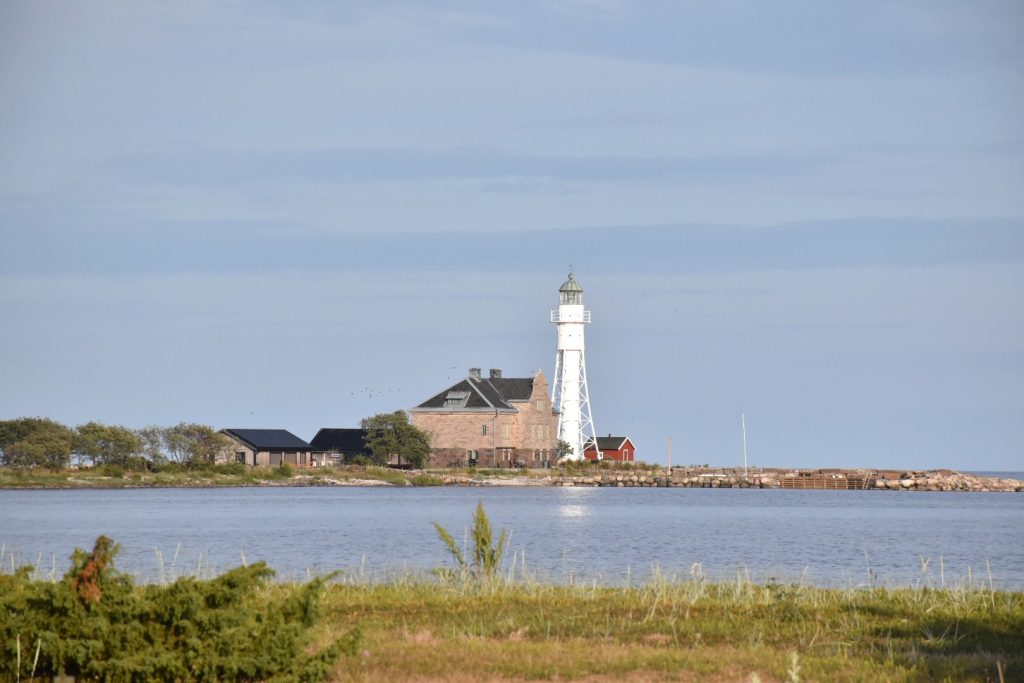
[[493, 422]]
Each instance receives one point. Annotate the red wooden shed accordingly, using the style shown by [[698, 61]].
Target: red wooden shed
[[615, 448]]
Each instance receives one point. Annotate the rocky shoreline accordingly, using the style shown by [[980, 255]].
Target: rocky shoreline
[[821, 479], [679, 477]]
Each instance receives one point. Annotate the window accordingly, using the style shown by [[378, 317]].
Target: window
[[456, 399], [538, 405], [506, 431], [483, 429]]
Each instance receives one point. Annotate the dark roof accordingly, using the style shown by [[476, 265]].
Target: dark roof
[[607, 443], [512, 388], [268, 439], [482, 394], [341, 440]]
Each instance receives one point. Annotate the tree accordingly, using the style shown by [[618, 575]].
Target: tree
[[151, 444], [35, 442], [391, 434], [563, 450], [106, 444], [191, 443], [13, 431]]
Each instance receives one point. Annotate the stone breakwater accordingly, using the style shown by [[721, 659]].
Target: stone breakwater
[[823, 479]]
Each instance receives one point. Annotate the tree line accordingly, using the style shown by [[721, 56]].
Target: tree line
[[41, 442], [29, 442]]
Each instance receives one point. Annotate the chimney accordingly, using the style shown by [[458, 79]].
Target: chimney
[[474, 373], [495, 373]]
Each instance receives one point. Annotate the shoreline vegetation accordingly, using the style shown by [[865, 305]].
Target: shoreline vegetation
[[41, 453], [583, 474], [483, 620]]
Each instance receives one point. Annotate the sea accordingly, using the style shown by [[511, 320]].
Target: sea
[[564, 535]]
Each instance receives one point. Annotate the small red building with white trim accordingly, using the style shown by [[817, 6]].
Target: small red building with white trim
[[615, 448]]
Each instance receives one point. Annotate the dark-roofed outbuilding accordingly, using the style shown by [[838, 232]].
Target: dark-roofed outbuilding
[[268, 448], [340, 444]]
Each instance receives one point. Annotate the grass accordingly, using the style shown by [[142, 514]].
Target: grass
[[107, 477], [481, 473], [677, 630], [505, 625], [230, 475], [426, 480], [112, 476]]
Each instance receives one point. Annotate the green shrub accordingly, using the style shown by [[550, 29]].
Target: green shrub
[[137, 463], [284, 470], [95, 624], [385, 474], [572, 467], [115, 471], [360, 460], [486, 472], [426, 480], [167, 466], [232, 468]]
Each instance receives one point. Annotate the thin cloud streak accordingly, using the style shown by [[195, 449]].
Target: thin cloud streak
[[210, 247], [211, 167]]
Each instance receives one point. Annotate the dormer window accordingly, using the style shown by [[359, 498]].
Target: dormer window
[[456, 399]]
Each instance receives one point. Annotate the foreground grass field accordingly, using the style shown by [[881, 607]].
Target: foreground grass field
[[96, 624], [675, 630]]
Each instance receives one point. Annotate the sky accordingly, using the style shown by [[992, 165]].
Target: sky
[[295, 215]]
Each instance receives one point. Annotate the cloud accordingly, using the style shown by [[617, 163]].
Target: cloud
[[796, 37], [208, 167], [266, 246]]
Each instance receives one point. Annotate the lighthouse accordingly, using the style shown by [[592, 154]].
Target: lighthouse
[[569, 395]]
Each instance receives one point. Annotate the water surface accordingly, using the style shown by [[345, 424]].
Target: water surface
[[566, 534]]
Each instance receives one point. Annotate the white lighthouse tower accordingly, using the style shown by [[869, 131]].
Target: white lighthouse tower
[[569, 394]]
